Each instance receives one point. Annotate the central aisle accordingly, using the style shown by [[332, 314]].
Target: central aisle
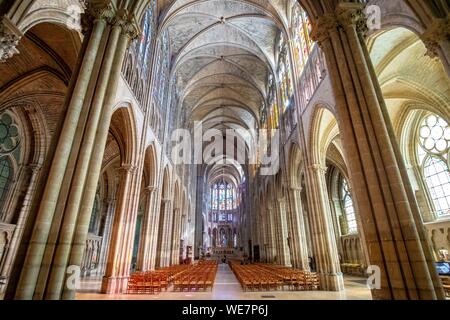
[[227, 287]]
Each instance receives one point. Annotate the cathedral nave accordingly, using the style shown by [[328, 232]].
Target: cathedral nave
[[224, 150]]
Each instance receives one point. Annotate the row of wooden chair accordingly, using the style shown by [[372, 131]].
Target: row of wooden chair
[[264, 277], [151, 282], [147, 283], [196, 278], [253, 278], [294, 279]]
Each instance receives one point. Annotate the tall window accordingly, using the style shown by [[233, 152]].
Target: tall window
[[223, 198], [148, 30], [5, 178], [303, 43], [214, 194], [94, 213], [273, 118], [162, 71], [433, 153], [348, 208], [9, 155], [285, 74]]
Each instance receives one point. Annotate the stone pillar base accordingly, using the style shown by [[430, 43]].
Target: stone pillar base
[[112, 285], [331, 281]]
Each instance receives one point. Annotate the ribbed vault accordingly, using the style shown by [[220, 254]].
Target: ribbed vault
[[222, 55]]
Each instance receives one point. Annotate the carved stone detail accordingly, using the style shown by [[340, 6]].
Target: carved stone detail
[[347, 15], [439, 31], [10, 36]]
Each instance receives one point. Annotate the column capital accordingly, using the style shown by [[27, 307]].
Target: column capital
[[34, 167], [352, 15], [98, 10], [436, 33], [318, 168], [323, 26], [127, 168], [10, 36], [150, 189], [346, 15], [128, 23]]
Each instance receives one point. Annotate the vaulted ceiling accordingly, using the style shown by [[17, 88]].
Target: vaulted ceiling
[[223, 53]]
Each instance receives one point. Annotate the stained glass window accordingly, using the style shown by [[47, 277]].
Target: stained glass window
[[148, 30], [303, 43], [285, 74], [433, 154], [263, 113], [272, 121], [214, 200], [9, 155], [229, 197], [162, 72], [223, 197], [349, 210], [5, 178]]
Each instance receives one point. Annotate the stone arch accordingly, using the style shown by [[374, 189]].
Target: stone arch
[[165, 187], [295, 159], [28, 14], [123, 128], [323, 129], [398, 14], [151, 166], [395, 53]]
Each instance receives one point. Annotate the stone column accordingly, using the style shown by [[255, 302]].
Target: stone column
[[262, 237], [167, 234], [389, 214], [175, 237], [38, 241], [106, 237], [162, 246], [146, 232], [34, 170], [322, 233], [271, 243], [112, 280], [183, 236], [336, 203], [154, 236], [128, 33], [64, 245], [299, 241], [284, 256]]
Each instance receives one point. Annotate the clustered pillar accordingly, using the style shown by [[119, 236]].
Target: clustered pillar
[[298, 242], [384, 199], [322, 233], [75, 168]]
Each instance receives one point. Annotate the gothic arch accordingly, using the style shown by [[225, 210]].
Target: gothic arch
[[323, 129], [151, 166], [123, 128], [295, 160]]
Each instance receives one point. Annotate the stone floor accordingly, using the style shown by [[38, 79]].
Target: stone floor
[[227, 287]]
